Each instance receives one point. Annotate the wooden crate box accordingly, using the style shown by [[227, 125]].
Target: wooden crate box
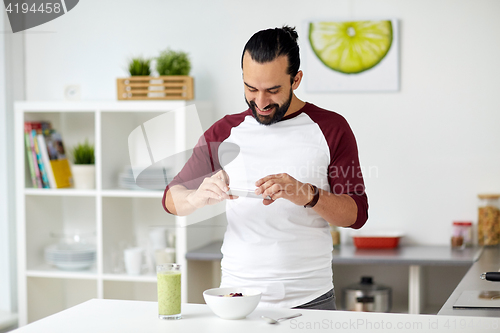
[[155, 88]]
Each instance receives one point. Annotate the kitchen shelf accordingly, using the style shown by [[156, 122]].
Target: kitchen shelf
[[130, 278], [53, 272], [115, 216], [59, 192], [132, 194], [90, 193]]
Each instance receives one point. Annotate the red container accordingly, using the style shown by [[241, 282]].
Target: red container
[[379, 241]]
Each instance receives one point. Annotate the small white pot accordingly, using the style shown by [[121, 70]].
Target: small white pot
[[83, 176]]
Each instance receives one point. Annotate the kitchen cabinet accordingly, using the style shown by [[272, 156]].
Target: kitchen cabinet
[[422, 277], [112, 215]]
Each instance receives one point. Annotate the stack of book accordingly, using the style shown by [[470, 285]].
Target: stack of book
[[48, 165]]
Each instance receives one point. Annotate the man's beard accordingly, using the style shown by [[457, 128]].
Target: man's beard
[[279, 112]]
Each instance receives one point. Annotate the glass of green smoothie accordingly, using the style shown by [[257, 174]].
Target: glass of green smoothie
[[169, 291]]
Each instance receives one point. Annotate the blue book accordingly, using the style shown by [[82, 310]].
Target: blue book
[[43, 171]]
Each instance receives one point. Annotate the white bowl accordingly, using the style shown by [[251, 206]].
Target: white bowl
[[232, 307]]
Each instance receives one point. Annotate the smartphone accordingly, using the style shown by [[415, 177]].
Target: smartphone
[[245, 193]]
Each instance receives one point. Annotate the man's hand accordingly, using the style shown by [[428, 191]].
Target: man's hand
[[340, 210], [284, 186], [211, 191]]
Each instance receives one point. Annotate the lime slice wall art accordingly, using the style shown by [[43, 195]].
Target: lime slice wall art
[[348, 55]]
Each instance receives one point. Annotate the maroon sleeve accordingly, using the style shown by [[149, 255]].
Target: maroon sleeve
[[204, 160], [344, 172]]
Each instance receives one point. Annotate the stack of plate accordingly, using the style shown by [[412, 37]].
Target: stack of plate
[[76, 256], [151, 178]]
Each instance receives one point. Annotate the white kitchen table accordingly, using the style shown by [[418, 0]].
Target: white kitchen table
[[102, 315]]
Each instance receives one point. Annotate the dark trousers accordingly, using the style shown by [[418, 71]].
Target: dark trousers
[[324, 302]]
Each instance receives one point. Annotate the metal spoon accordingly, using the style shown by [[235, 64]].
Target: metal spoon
[[277, 321]]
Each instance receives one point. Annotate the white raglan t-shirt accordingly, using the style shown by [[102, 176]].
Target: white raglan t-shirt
[[282, 249]]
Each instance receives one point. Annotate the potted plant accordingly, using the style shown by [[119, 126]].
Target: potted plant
[[171, 62], [83, 167], [173, 82], [139, 67]]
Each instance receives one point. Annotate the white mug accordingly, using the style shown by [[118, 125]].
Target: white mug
[[133, 260]]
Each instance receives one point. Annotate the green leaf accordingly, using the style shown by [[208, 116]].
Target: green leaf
[[83, 153], [139, 66], [173, 63]]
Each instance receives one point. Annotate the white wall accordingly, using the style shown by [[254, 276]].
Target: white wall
[[11, 88], [431, 147]]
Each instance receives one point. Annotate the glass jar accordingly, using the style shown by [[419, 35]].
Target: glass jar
[[488, 220], [334, 231], [462, 234]]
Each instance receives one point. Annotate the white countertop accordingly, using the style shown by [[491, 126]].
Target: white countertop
[[100, 315], [488, 262]]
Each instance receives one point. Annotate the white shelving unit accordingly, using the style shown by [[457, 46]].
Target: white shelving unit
[[114, 215]]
